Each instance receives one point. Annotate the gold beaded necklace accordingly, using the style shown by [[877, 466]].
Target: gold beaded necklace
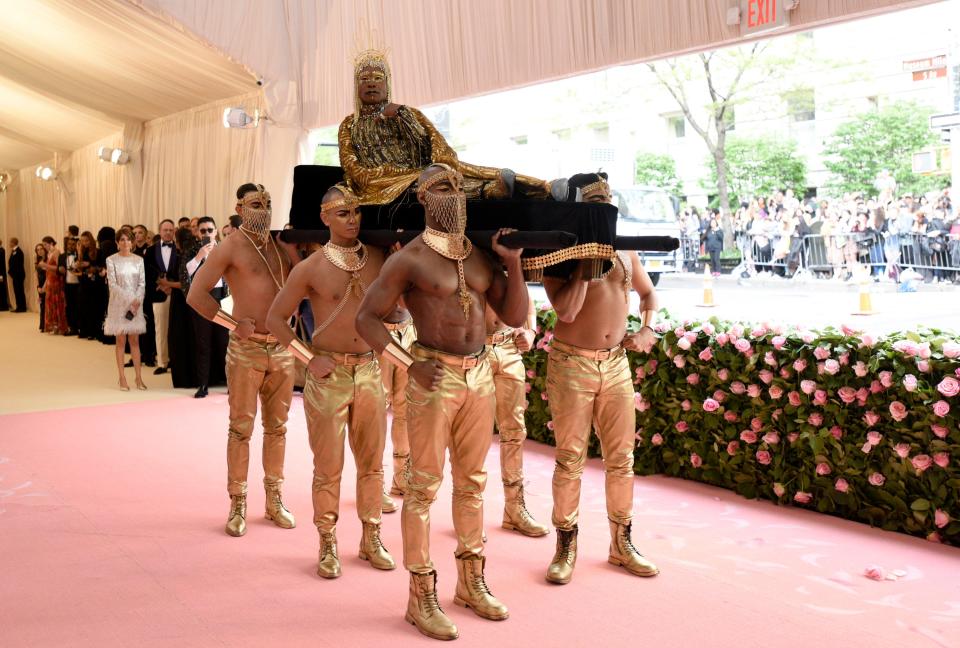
[[349, 260], [278, 284], [455, 247]]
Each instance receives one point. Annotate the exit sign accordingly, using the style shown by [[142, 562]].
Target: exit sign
[[758, 16]]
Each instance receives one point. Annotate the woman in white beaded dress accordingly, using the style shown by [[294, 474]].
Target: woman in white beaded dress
[[127, 281]]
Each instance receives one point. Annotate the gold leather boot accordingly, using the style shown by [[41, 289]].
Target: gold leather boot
[[328, 563], [276, 511], [516, 517], [387, 505], [472, 590], [401, 467], [624, 554], [423, 608], [236, 521], [560, 570], [372, 549]]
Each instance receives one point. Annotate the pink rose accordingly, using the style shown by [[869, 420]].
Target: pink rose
[[934, 537], [821, 353], [778, 489], [939, 430], [876, 479], [870, 418], [693, 379], [923, 350], [808, 337], [941, 408], [866, 448], [531, 373], [949, 386], [874, 438], [758, 332], [910, 382], [710, 405], [756, 424], [860, 369], [732, 447], [942, 459], [923, 366], [766, 376], [763, 457], [719, 396], [844, 359], [867, 340], [808, 386], [544, 396], [799, 365], [778, 342], [841, 485], [691, 336], [794, 398], [793, 436], [776, 391], [886, 378], [742, 345], [898, 411], [528, 387], [831, 366], [708, 328], [876, 387], [686, 405], [722, 339], [802, 498], [815, 419], [847, 394], [785, 372], [848, 330], [681, 426], [748, 436], [656, 439], [951, 350], [679, 331], [736, 330], [550, 425], [730, 416], [902, 450], [723, 375], [862, 395], [875, 572], [679, 361], [836, 432], [940, 518], [738, 387], [921, 462], [651, 365], [684, 344], [706, 355], [695, 460], [770, 359], [771, 438], [906, 347], [753, 391], [823, 469], [819, 397]]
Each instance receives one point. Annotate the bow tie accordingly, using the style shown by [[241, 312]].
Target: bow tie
[[170, 245]]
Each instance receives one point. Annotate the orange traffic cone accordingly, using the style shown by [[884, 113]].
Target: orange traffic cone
[[707, 288]]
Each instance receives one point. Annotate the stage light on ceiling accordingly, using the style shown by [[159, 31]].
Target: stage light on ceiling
[[104, 153], [113, 155], [240, 118], [46, 173], [5, 179]]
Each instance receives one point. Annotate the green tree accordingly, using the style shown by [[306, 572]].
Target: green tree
[[659, 171], [759, 166], [881, 139]]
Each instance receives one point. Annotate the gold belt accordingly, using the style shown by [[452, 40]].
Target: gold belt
[[500, 337], [592, 354], [348, 359], [398, 326], [453, 359], [267, 338]]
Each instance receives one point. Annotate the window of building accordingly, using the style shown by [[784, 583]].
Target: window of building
[[801, 104], [519, 140], [563, 134], [601, 132], [677, 126]]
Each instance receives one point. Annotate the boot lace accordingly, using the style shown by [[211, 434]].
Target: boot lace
[[626, 541], [564, 550], [480, 584], [277, 502], [375, 541], [239, 504], [328, 548]]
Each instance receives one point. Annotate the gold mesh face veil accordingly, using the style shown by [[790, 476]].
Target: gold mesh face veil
[[256, 220], [373, 61], [450, 209]]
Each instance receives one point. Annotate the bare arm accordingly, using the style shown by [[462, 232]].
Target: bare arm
[[642, 284], [285, 304], [507, 295], [567, 296], [380, 300], [207, 276]]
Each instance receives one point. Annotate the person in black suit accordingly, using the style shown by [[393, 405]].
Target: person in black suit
[[147, 341], [4, 305], [162, 261], [17, 275]]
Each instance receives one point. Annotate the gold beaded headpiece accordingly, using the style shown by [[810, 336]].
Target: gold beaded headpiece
[[256, 220], [371, 58], [348, 200], [601, 187], [449, 173]]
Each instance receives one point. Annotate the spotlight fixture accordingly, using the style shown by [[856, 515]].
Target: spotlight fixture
[[113, 155], [240, 118], [4, 180], [46, 173]]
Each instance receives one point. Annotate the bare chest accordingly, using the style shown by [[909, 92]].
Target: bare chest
[[440, 277]]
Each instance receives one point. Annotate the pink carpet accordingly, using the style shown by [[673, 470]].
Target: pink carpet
[[111, 535]]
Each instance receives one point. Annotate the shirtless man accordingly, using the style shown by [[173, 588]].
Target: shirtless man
[[255, 268], [343, 395], [450, 393], [589, 385], [506, 346]]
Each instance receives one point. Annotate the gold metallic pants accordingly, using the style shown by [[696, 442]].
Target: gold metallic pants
[[395, 386], [348, 402], [509, 379], [265, 369], [584, 392], [458, 415]]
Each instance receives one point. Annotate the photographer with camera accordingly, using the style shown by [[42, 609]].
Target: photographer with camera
[[210, 340]]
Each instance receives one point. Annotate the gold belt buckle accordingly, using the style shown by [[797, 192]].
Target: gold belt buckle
[[470, 362], [353, 359], [602, 354]]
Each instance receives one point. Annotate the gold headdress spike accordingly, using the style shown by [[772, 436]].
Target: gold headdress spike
[[370, 58], [348, 200]]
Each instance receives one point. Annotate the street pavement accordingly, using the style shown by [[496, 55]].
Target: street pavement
[[815, 303]]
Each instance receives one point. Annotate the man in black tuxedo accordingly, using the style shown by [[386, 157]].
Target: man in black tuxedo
[[17, 275], [162, 264], [148, 347], [210, 339], [4, 305]]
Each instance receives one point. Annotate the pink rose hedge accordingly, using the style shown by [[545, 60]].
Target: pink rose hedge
[[838, 421]]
